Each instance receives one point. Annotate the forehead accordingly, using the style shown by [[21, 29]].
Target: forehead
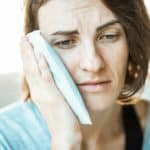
[[72, 14]]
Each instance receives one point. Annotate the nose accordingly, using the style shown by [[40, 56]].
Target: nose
[[91, 59]]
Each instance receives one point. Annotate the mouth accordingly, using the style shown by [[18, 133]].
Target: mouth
[[95, 86]]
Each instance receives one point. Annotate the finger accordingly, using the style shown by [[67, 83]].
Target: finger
[[44, 68], [29, 60]]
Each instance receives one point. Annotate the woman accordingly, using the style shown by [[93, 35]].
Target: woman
[[105, 46]]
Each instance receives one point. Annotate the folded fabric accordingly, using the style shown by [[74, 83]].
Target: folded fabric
[[61, 76]]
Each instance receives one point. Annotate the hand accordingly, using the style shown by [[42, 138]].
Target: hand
[[62, 123]]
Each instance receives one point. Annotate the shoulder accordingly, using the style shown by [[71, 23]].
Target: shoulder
[[21, 124], [17, 112], [142, 110], [13, 108]]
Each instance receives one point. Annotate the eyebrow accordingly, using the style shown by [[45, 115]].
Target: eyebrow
[[74, 32]]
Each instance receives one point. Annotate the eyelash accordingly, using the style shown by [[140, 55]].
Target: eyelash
[[112, 37], [60, 43]]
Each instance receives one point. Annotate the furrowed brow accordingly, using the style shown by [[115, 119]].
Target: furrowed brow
[[75, 32], [110, 23]]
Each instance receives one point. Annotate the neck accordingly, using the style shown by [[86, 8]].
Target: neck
[[105, 124]]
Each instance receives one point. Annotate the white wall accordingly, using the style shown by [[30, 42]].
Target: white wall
[[10, 32], [10, 60]]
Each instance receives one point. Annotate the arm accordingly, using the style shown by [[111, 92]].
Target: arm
[[62, 123]]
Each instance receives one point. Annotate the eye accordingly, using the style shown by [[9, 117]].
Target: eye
[[65, 44], [112, 37]]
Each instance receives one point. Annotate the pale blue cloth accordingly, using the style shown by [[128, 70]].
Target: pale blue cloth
[[61, 76], [23, 128]]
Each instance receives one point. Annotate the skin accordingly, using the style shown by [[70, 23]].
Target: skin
[[88, 55], [92, 55]]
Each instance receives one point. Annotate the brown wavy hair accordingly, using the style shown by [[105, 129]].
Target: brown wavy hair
[[134, 18]]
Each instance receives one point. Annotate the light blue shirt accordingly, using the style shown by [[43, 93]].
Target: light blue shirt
[[23, 128]]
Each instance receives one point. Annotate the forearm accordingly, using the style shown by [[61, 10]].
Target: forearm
[[65, 135], [67, 144], [76, 146]]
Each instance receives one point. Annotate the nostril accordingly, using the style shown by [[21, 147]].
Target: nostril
[[93, 65]]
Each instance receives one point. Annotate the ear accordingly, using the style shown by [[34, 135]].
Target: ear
[[25, 91]]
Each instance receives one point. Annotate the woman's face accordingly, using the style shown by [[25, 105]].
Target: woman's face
[[92, 45]]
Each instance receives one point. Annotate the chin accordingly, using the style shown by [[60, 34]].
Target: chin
[[100, 104], [99, 108]]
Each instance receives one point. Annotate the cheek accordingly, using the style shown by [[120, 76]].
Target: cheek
[[117, 62], [71, 61], [121, 67]]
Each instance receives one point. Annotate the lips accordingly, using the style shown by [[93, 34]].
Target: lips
[[94, 82], [94, 86]]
